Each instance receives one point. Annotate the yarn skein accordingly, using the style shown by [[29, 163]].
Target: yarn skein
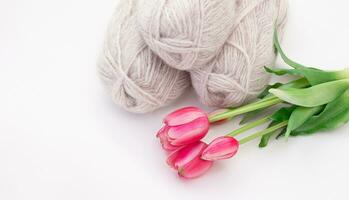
[[137, 79], [237, 74], [186, 33]]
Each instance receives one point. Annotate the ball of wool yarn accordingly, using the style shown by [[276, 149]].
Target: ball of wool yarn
[[237, 73], [186, 33], [137, 79]]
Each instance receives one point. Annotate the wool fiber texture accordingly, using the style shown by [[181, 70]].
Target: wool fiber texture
[[137, 79], [186, 33], [236, 75], [154, 50]]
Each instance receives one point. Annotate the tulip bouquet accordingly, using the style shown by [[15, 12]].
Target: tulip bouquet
[[316, 101]]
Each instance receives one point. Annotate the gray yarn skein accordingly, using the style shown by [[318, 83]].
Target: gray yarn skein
[[186, 33], [137, 79], [237, 73]]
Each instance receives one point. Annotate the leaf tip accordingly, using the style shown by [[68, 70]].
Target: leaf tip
[[273, 90]]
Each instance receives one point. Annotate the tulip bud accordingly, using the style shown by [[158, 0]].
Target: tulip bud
[[182, 127], [221, 148], [187, 160]]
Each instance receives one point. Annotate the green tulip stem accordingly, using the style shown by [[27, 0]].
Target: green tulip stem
[[249, 126], [263, 132], [267, 102]]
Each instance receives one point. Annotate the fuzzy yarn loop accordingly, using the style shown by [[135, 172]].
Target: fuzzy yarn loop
[[186, 34], [236, 74], [137, 79], [224, 44]]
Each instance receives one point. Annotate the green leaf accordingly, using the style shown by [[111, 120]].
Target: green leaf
[[333, 116], [249, 116], [299, 116], [314, 96], [282, 114], [265, 138], [281, 133], [283, 55], [281, 72], [313, 75], [316, 76], [299, 83], [265, 92]]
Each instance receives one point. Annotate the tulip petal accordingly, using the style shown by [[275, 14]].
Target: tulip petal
[[183, 116], [185, 155], [189, 133], [168, 146], [162, 132], [221, 148], [195, 168], [164, 140]]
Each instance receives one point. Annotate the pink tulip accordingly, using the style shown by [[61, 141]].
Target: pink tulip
[[182, 127], [164, 140], [221, 148], [187, 160]]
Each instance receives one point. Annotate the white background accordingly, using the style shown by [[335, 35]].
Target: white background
[[61, 137]]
